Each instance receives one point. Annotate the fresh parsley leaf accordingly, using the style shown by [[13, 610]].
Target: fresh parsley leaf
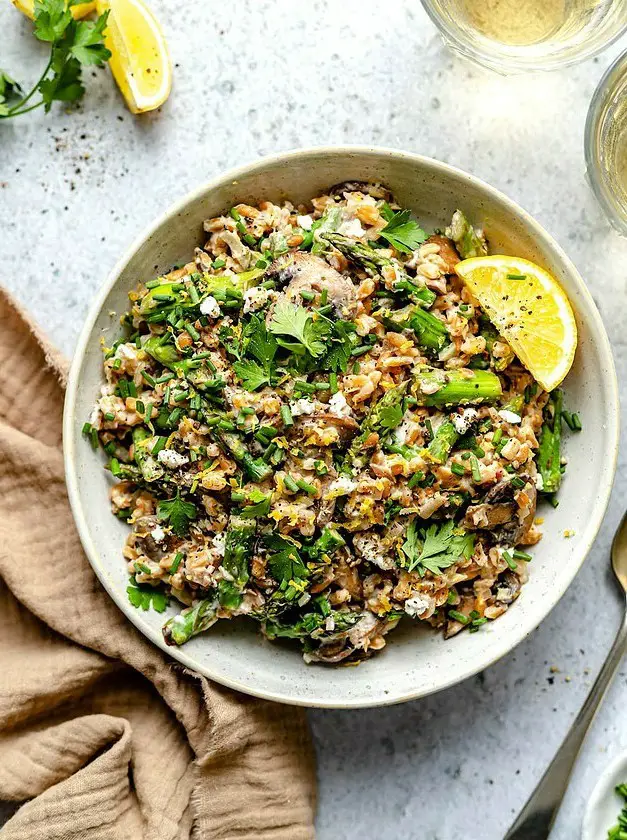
[[386, 211], [143, 596], [52, 18], [64, 86], [251, 374], [403, 233], [390, 416], [261, 506], [177, 513], [437, 547], [260, 344], [286, 566], [296, 322], [10, 92], [88, 45], [343, 340]]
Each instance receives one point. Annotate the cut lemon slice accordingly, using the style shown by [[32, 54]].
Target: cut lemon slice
[[27, 7], [529, 309], [139, 61]]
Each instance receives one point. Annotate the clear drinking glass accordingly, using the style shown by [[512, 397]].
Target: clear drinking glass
[[606, 143], [515, 35]]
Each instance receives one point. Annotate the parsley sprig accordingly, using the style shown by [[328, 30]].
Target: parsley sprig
[[73, 44], [262, 346], [437, 547], [144, 596], [402, 231], [177, 513], [298, 323]]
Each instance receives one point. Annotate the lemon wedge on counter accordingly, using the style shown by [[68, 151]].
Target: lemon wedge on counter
[[27, 7], [529, 309], [139, 61]]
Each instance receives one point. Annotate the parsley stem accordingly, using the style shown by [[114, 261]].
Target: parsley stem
[[18, 109], [23, 111]]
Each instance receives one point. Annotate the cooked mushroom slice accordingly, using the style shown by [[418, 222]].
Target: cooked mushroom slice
[[501, 515], [148, 538], [303, 272], [341, 645], [448, 252], [507, 588], [375, 190]]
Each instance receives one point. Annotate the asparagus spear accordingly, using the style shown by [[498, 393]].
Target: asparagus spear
[[327, 223], [372, 261], [469, 243], [381, 417], [443, 441], [549, 452], [237, 549], [151, 469], [435, 387], [180, 628], [430, 331], [255, 468]]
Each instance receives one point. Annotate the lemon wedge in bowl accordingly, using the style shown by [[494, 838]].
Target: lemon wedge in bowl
[[27, 7], [139, 61], [530, 310]]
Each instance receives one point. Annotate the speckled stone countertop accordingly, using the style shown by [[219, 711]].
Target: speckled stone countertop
[[254, 77]]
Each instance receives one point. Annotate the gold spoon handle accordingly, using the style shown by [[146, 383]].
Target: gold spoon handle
[[536, 818]]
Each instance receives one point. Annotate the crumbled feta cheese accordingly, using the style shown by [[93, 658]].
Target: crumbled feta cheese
[[509, 416], [218, 543], [158, 534], [538, 481], [126, 351], [210, 307], [256, 297], [304, 222], [172, 459], [342, 486], [463, 421], [416, 605], [352, 227], [338, 406], [371, 550], [302, 406], [401, 432]]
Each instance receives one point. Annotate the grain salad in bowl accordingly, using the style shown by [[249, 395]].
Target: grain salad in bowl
[[330, 420]]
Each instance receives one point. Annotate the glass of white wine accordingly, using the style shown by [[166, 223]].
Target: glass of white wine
[[516, 35], [606, 143]]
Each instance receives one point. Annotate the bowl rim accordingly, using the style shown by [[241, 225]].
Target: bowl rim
[[69, 420]]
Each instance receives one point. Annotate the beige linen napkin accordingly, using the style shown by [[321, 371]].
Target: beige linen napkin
[[102, 736]]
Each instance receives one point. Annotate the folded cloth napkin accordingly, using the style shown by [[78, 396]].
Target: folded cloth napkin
[[102, 736]]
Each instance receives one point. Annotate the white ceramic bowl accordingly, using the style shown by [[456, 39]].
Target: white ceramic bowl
[[417, 661], [605, 804]]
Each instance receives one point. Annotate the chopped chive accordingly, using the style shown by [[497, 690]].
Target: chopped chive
[[193, 332], [226, 425], [234, 214], [465, 456], [359, 351], [156, 318], [458, 469], [457, 616], [416, 478], [249, 239], [149, 379], [140, 408], [522, 555], [174, 416], [286, 415], [305, 387], [166, 395], [516, 276], [333, 383], [180, 395], [238, 496], [321, 468], [322, 386], [325, 310], [117, 364], [576, 422], [518, 482], [478, 451], [142, 567], [307, 295], [219, 263], [159, 444], [109, 416], [176, 563], [324, 296], [247, 410], [152, 284], [165, 378], [476, 472], [510, 561], [291, 485], [132, 390], [86, 430], [114, 466], [165, 298], [496, 438], [356, 367], [310, 489]]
